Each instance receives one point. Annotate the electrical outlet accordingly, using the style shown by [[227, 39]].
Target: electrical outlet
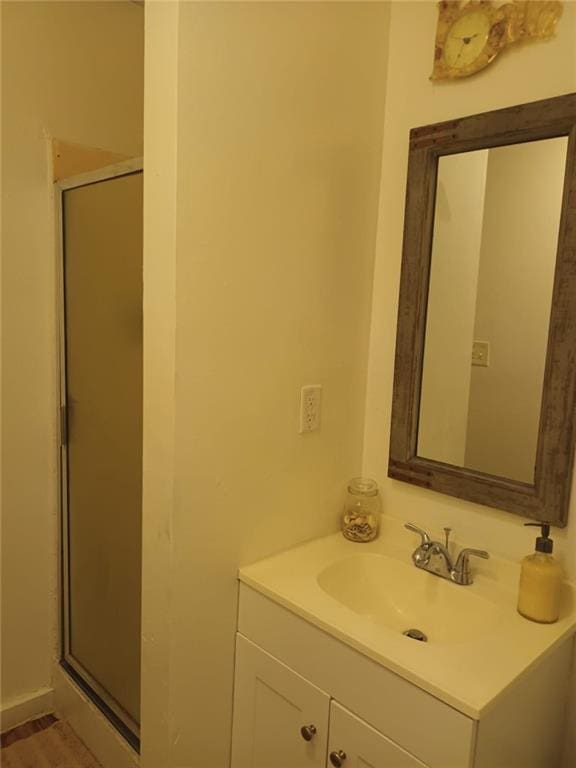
[[310, 399], [481, 353]]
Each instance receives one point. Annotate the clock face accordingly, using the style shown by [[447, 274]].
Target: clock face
[[470, 34], [466, 39]]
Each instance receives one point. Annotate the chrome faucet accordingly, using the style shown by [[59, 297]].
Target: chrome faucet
[[434, 557]]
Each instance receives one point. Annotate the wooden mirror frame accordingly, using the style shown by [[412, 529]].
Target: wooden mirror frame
[[548, 497]]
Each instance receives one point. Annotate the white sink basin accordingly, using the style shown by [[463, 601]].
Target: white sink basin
[[368, 595], [402, 597]]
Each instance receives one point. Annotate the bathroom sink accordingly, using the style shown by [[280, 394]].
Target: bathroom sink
[[368, 595], [397, 595]]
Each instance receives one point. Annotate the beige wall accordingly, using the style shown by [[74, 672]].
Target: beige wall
[[71, 159], [519, 241], [71, 71], [278, 114], [447, 371], [535, 71], [161, 152]]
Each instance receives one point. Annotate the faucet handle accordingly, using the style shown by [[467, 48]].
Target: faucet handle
[[461, 572], [422, 533]]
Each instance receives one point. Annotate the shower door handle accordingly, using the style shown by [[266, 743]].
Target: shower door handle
[[63, 426]]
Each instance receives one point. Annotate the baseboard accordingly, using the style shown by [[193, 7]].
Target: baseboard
[[25, 708], [101, 738]]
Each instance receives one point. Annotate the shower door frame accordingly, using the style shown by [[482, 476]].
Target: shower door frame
[[112, 710]]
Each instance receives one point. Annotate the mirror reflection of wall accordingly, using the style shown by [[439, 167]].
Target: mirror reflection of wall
[[493, 257]]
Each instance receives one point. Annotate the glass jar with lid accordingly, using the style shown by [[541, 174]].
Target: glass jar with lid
[[362, 510]]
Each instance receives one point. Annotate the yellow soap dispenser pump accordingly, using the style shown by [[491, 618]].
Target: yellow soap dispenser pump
[[540, 581]]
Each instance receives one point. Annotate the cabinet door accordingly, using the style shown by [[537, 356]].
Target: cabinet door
[[271, 706], [355, 744]]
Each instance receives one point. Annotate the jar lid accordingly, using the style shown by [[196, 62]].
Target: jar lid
[[363, 486]]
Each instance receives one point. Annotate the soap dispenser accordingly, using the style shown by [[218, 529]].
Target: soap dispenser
[[540, 581]]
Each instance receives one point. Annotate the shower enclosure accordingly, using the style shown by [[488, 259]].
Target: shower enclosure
[[101, 437]]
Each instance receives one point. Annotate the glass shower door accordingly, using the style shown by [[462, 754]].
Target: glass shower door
[[102, 449]]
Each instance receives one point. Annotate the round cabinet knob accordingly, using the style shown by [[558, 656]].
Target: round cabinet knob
[[337, 758], [308, 732]]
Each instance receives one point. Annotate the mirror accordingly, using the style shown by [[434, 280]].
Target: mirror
[[484, 388], [496, 224]]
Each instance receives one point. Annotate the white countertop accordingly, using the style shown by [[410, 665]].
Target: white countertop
[[468, 675]]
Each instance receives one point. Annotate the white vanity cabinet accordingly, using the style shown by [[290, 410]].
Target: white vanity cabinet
[[283, 721], [363, 746], [293, 675], [272, 707]]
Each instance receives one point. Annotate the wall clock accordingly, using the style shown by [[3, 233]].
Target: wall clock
[[470, 35]]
